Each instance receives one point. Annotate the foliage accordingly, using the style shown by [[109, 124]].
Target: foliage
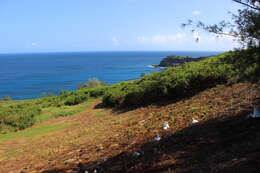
[[51, 94], [8, 98], [94, 83], [76, 99], [18, 115], [61, 91], [245, 28], [80, 85], [143, 74], [43, 95], [189, 78]]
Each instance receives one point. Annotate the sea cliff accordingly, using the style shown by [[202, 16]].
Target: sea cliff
[[173, 60]]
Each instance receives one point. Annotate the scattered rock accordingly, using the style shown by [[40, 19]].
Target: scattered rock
[[136, 154], [141, 122], [105, 159], [255, 114], [100, 147], [166, 126], [68, 161], [157, 138], [194, 121]]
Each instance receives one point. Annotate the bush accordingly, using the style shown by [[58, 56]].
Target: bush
[[75, 99], [94, 83], [18, 117], [8, 98]]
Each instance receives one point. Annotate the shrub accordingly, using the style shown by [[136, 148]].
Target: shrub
[[75, 99], [8, 98], [94, 83], [80, 85], [18, 117]]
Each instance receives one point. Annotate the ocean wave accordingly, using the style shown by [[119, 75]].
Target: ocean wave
[[153, 66], [150, 66]]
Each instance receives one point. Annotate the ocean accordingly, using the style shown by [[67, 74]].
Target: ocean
[[28, 75]]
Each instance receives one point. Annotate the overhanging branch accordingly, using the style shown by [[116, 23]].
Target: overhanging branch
[[248, 5]]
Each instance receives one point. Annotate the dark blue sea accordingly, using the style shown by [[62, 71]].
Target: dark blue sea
[[26, 76]]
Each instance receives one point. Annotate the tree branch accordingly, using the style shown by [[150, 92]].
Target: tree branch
[[248, 5]]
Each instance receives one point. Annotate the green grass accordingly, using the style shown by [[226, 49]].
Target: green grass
[[29, 133], [63, 111], [19, 115], [101, 114]]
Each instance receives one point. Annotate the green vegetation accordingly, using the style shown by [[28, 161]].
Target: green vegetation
[[7, 98], [19, 115], [244, 27], [32, 132], [189, 78], [143, 74], [95, 83], [101, 114], [173, 60]]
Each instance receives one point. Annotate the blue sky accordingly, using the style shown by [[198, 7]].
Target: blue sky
[[109, 25]]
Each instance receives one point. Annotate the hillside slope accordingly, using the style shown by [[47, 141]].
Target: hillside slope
[[186, 80], [223, 140]]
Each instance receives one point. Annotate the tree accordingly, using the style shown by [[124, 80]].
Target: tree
[[8, 98], [61, 91], [245, 27], [80, 85], [51, 94], [43, 94], [95, 82]]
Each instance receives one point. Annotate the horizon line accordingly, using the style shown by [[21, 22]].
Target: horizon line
[[86, 51]]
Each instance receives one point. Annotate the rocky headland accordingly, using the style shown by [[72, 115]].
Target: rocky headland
[[173, 60]]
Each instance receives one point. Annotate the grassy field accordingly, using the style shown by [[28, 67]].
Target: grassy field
[[19, 115]]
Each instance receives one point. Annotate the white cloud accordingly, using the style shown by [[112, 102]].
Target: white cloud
[[161, 39], [34, 44], [115, 41], [196, 12]]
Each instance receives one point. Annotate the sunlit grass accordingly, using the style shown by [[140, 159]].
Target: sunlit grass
[[101, 114], [29, 133]]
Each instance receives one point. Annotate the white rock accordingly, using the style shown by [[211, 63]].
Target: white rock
[[157, 138], [255, 114], [86, 171], [136, 154], [166, 126], [194, 121], [95, 171]]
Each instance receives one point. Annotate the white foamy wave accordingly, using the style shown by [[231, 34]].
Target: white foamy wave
[[150, 66]]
